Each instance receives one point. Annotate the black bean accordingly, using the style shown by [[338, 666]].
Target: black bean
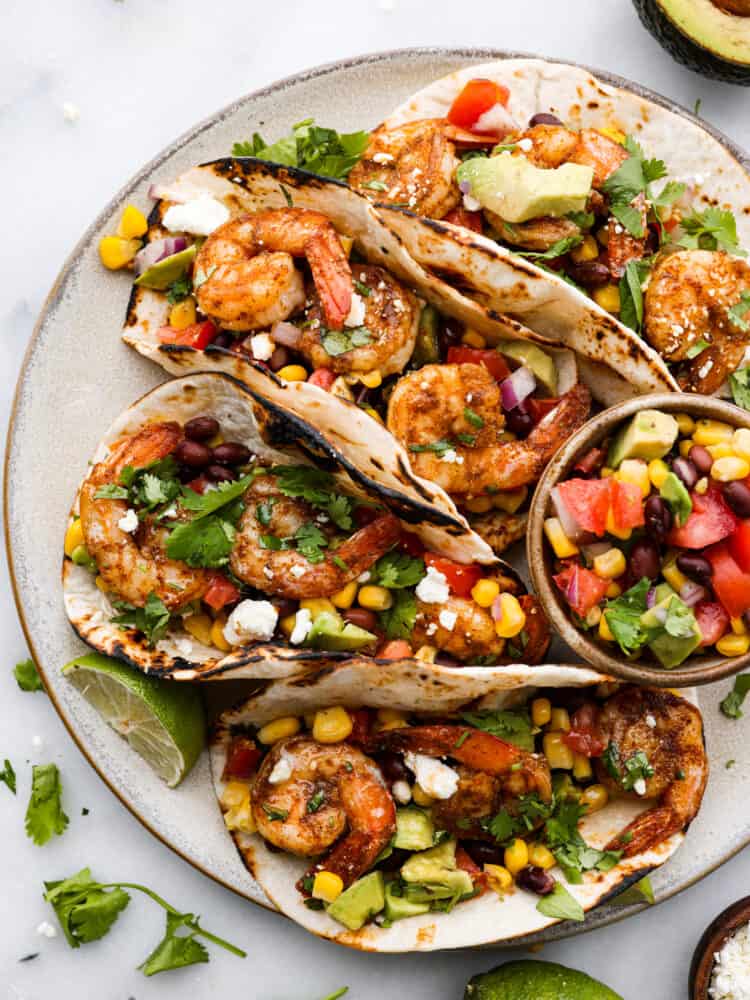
[[684, 469], [658, 518], [590, 272], [220, 473], [225, 340], [193, 454], [285, 606], [393, 768], [484, 854], [201, 428], [535, 880], [361, 617], [737, 495], [544, 118], [395, 860], [278, 359], [697, 567], [231, 453], [644, 560], [519, 421], [701, 459]]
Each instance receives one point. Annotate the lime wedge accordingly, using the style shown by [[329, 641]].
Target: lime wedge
[[163, 721]]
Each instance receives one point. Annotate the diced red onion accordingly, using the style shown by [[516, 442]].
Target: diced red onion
[[570, 526], [157, 251], [517, 387], [651, 597], [497, 610], [691, 593], [464, 187], [571, 591], [286, 333]]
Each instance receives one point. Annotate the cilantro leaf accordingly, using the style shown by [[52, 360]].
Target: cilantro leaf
[[712, 229], [27, 676], [473, 418], [264, 511], [697, 348], [203, 504], [561, 905], [731, 706], [630, 217], [44, 813], [206, 541], [175, 951], [396, 569], [631, 296], [318, 488], [311, 147], [8, 775], [310, 541], [152, 619], [669, 194], [502, 826], [399, 620], [336, 342], [513, 726], [629, 770], [738, 311], [556, 250], [641, 892], [739, 383], [623, 616], [179, 290], [439, 447]]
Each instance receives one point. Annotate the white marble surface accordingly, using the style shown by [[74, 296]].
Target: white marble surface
[[141, 73]]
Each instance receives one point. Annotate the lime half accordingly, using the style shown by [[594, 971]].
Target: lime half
[[532, 980], [163, 721]]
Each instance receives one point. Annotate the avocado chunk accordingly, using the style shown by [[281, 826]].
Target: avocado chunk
[[414, 830], [673, 491], [426, 347], [649, 434], [711, 37], [330, 632], [516, 190], [433, 875], [165, 272], [529, 978], [675, 631], [361, 901], [533, 357], [398, 907]]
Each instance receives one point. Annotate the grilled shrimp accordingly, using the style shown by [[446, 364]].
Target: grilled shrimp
[[246, 274], [391, 317], [415, 165], [353, 808], [687, 300], [536, 234], [499, 529], [427, 409], [133, 565], [669, 730], [288, 572]]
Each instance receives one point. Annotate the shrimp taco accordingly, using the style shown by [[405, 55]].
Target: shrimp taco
[[219, 537], [630, 208], [477, 401], [392, 811]]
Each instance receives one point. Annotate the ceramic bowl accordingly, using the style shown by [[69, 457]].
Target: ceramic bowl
[[712, 941], [697, 669]]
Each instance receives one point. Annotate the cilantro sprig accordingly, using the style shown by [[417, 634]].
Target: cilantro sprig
[[45, 817], [311, 147], [152, 620], [557, 249], [713, 229], [739, 383], [207, 539], [738, 312], [731, 706], [396, 570], [318, 488], [337, 342], [512, 725], [8, 776], [27, 676], [628, 771], [399, 620]]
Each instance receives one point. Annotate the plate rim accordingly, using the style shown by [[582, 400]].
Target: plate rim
[[558, 931]]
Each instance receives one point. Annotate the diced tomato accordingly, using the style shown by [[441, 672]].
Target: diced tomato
[[221, 591], [713, 621], [461, 577], [539, 408], [322, 377], [739, 545], [493, 361], [587, 501], [467, 864], [198, 335], [581, 588], [361, 725], [709, 521], [730, 584], [199, 485], [396, 649], [242, 758], [584, 736], [477, 97], [463, 217], [411, 544], [627, 505]]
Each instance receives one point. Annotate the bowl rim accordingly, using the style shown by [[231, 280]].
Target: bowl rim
[[705, 669], [722, 927]]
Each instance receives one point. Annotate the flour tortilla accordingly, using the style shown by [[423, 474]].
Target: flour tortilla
[[408, 687]]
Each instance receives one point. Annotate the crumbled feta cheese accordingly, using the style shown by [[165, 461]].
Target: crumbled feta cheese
[[469, 396], [268, 573], [401, 792], [434, 777], [651, 721], [182, 644], [71, 112], [618, 229], [382, 157], [526, 145], [452, 457], [364, 577], [471, 204], [297, 571], [639, 786], [45, 929], [251, 620], [129, 521], [282, 771], [699, 178], [431, 628], [731, 972], [302, 626], [357, 311], [496, 119], [448, 620], [200, 216], [433, 588], [262, 346]]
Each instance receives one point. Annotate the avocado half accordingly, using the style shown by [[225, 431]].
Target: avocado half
[[711, 37]]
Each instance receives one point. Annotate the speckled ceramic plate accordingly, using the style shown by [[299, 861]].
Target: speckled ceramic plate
[[78, 375]]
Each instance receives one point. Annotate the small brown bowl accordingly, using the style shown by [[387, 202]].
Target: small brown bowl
[[702, 669], [717, 932]]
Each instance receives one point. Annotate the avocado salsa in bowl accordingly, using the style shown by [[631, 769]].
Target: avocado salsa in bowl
[[639, 540]]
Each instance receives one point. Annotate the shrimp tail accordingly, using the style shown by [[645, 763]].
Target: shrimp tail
[[647, 830], [377, 536], [151, 443], [570, 413], [479, 750], [331, 274]]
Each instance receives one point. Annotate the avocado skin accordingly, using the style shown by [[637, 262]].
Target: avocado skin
[[685, 51], [533, 980]]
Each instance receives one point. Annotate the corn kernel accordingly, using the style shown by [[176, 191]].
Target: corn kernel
[[585, 251], [712, 432], [512, 618], [99, 581], [560, 720], [375, 598], [474, 339], [506, 436], [684, 446], [733, 645], [499, 878], [612, 529], [613, 133], [279, 729], [561, 544], [479, 505], [658, 471], [182, 314], [200, 627], [726, 470], [240, 817], [327, 886], [390, 718], [613, 590], [701, 486], [610, 564], [234, 794], [605, 632], [595, 797], [420, 796], [738, 626], [605, 472], [593, 616], [541, 857], [484, 592], [672, 574], [218, 638], [371, 379], [293, 373], [510, 500], [287, 624], [116, 252], [685, 423], [741, 443], [73, 537], [318, 606], [722, 450], [347, 242], [344, 598], [373, 413], [427, 654], [516, 856], [559, 755], [635, 471], [608, 297], [602, 235], [132, 223], [582, 769], [541, 711], [332, 725]]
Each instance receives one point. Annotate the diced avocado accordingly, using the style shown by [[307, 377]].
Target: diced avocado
[[426, 347], [673, 491], [436, 874], [516, 190], [649, 434], [653, 616], [329, 631], [165, 272], [399, 907], [672, 650], [530, 979], [414, 830], [533, 357], [361, 901]]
